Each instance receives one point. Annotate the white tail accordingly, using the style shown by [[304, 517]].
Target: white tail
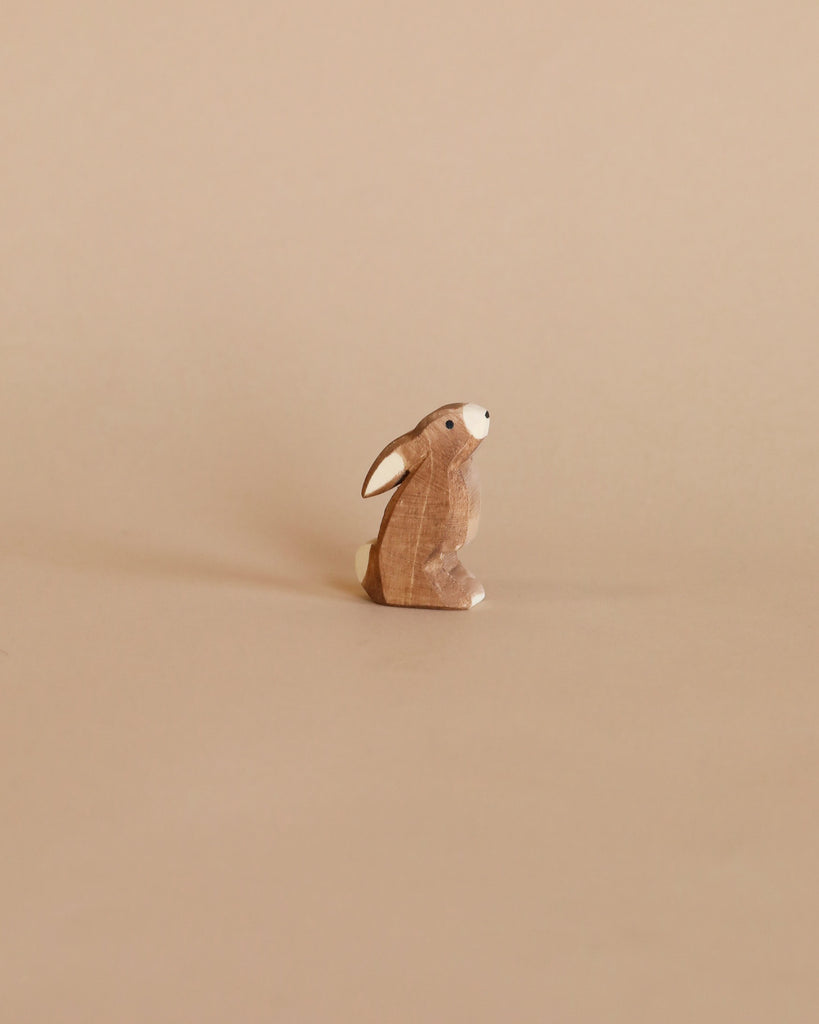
[[362, 558]]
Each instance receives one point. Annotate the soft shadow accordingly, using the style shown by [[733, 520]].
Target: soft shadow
[[347, 586], [283, 549], [126, 555], [326, 549]]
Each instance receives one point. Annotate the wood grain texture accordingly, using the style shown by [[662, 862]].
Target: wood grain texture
[[414, 560]]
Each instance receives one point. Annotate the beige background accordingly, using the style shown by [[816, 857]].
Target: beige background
[[243, 246]]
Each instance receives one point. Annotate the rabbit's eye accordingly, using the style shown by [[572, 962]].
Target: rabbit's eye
[[449, 424]]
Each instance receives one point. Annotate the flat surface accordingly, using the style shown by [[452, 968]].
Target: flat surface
[[240, 251]]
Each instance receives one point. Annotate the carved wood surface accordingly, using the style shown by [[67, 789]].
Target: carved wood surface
[[434, 512]]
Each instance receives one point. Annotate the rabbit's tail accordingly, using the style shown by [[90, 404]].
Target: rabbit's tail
[[362, 560]]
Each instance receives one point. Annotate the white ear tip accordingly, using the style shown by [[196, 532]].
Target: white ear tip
[[390, 469], [476, 419]]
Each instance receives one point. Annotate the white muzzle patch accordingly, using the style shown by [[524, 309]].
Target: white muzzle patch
[[476, 419]]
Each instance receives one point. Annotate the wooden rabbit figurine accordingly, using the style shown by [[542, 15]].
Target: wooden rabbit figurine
[[414, 561]]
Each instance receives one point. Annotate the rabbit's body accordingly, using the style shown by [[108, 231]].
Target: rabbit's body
[[434, 512]]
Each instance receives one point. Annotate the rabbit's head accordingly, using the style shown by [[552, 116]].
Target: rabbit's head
[[453, 432]]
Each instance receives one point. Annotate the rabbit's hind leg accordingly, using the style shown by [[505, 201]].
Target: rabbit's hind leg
[[444, 590], [464, 578]]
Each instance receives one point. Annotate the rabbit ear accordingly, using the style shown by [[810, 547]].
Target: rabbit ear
[[398, 459]]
